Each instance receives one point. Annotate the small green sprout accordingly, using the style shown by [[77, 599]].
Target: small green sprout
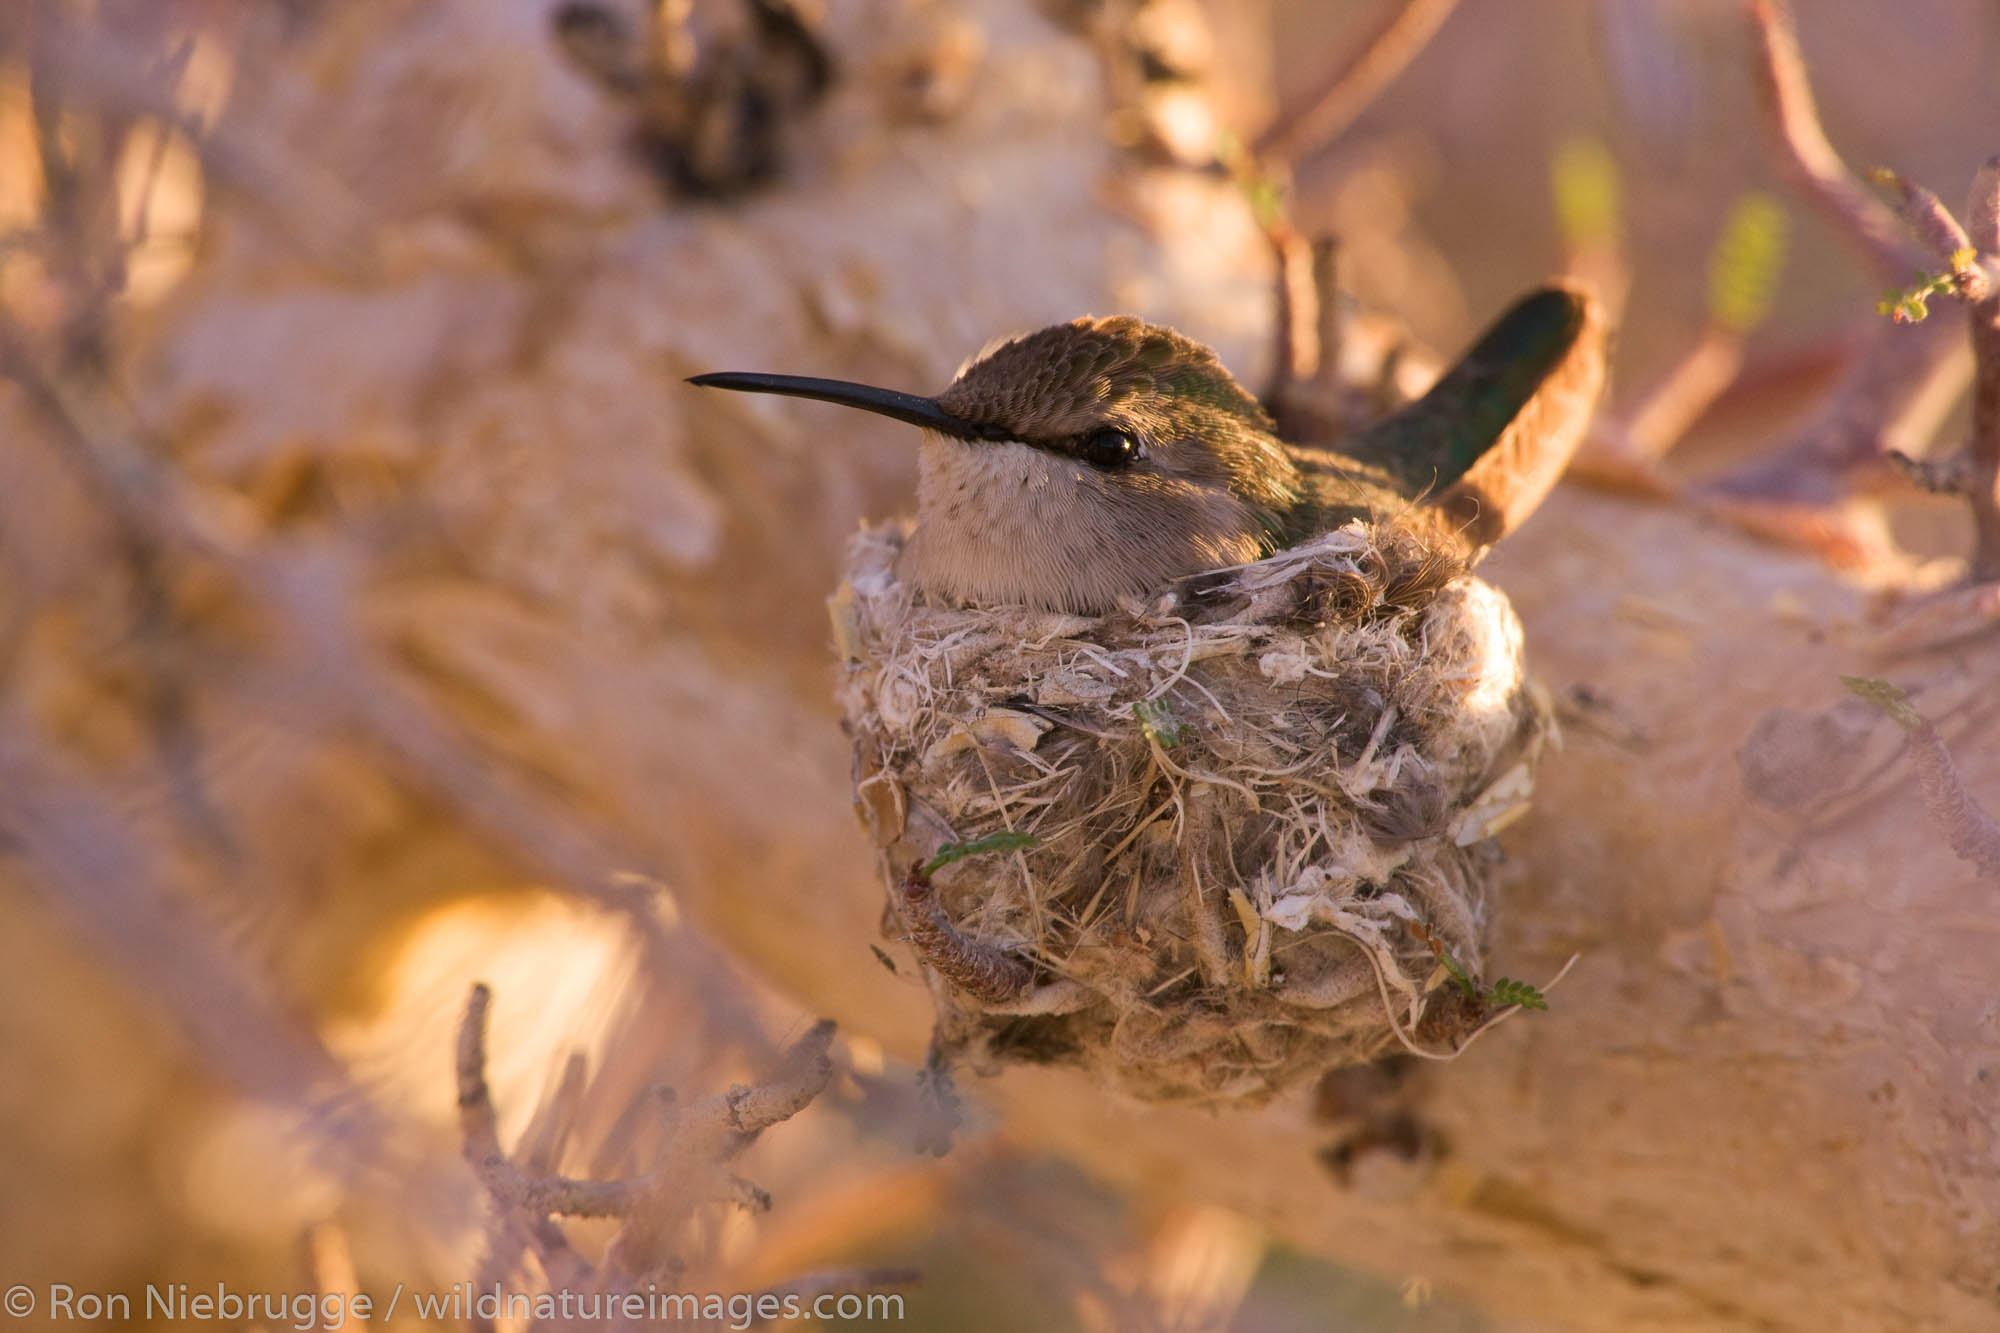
[[1506, 992], [1913, 306], [1157, 720], [1007, 840], [1503, 994]]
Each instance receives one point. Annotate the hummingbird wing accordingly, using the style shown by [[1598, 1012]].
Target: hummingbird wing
[[1490, 438]]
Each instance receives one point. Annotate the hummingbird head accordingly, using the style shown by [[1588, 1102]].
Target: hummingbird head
[[1082, 463]]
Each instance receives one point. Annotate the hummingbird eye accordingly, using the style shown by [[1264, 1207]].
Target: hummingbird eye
[[1108, 448]]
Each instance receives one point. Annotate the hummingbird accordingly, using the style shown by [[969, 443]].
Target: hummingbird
[[1103, 458]]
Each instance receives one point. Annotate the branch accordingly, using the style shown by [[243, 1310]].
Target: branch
[[653, 1207], [1304, 396], [1938, 231], [1295, 133], [1970, 259], [1896, 392], [1982, 213], [1794, 117], [1671, 408]]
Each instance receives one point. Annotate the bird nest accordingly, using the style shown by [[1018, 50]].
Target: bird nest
[[1241, 828]]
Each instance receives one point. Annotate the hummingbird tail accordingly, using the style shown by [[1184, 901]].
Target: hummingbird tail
[[1491, 437]]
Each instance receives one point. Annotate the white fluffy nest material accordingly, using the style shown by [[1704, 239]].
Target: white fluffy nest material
[[1252, 800]]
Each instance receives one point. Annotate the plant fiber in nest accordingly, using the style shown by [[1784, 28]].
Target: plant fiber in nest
[[1251, 799]]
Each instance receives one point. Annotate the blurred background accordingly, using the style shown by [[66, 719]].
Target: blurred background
[[379, 613]]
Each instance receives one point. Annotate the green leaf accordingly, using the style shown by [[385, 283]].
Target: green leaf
[[1507, 992], [1006, 840], [1912, 306], [1157, 720]]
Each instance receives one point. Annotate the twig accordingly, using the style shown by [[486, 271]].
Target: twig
[[1938, 231], [1828, 183], [1949, 475], [1329, 322], [1666, 413], [1311, 326], [1982, 212], [654, 1206], [1970, 259], [1297, 356], [801, 1076], [1901, 384], [719, 1123], [1330, 108]]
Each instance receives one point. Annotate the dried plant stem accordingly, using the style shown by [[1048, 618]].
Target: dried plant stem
[[1298, 353], [653, 1207], [1982, 484], [1970, 259], [1308, 326], [1938, 231], [1899, 387], [1665, 414], [1802, 140], [1982, 487], [739, 1114], [801, 1075], [1311, 327], [1628, 458], [1331, 107]]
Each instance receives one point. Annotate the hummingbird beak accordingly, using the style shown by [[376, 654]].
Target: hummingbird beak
[[918, 411]]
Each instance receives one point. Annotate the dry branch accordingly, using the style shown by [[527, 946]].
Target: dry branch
[[653, 1208], [1895, 391], [1983, 488], [1938, 232], [1346, 92], [1804, 147], [1970, 274]]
